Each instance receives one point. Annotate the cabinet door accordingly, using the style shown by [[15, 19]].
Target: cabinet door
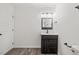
[[43, 46], [52, 46], [52, 43]]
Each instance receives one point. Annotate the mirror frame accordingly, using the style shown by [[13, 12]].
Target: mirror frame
[[42, 23]]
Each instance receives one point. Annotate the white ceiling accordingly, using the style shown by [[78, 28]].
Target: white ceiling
[[40, 6], [37, 4]]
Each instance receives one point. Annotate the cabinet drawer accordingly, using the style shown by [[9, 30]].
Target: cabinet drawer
[[49, 36]]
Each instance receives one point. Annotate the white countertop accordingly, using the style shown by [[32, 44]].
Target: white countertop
[[49, 33]]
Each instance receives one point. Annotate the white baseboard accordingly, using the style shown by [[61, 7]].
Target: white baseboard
[[6, 51], [27, 47]]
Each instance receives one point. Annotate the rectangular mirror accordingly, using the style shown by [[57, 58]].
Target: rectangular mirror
[[47, 23]]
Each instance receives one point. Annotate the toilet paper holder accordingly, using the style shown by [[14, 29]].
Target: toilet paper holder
[[0, 34], [67, 45]]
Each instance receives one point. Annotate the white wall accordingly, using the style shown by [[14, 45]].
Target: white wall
[[67, 26], [27, 25], [5, 27]]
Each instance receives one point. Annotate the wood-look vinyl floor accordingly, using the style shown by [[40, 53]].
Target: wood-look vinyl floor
[[24, 51]]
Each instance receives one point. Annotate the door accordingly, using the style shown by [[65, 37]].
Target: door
[[6, 38]]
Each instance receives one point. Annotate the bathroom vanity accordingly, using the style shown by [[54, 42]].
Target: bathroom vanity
[[49, 44]]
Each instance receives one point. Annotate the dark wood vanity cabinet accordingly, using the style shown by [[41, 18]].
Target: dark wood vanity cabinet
[[49, 44]]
